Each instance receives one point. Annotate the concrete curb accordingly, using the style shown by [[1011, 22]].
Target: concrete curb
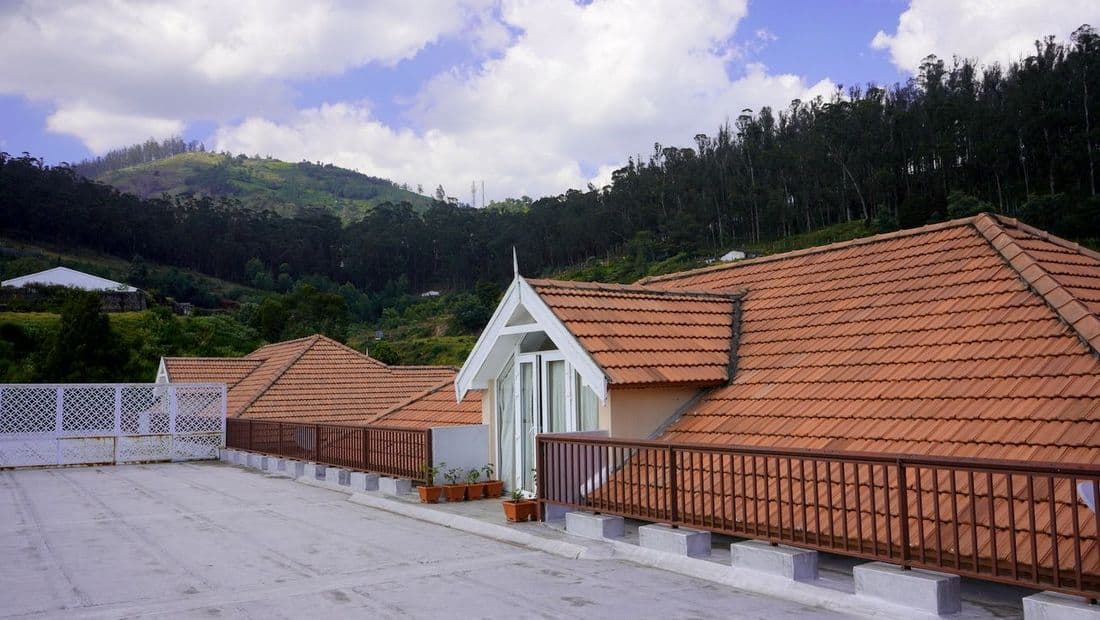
[[473, 526]]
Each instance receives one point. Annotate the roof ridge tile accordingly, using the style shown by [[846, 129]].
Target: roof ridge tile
[[278, 375], [1064, 304]]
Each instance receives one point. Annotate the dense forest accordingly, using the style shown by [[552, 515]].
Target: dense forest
[[955, 140]]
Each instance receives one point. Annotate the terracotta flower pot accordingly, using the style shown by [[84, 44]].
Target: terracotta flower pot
[[520, 511], [494, 488], [455, 492], [475, 490], [429, 495]]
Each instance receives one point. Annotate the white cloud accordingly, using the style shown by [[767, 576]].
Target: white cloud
[[576, 92], [103, 130], [192, 60], [986, 30]]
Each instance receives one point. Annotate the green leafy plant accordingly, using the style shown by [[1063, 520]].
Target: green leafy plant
[[472, 476], [453, 476], [488, 471], [517, 495], [430, 473]]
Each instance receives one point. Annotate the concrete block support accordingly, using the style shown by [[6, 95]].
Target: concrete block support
[[252, 460], [789, 562], [922, 590], [336, 476], [681, 541], [362, 481], [233, 456], [394, 486], [1058, 606], [223, 455], [312, 471], [295, 469], [554, 512], [594, 526], [275, 465]]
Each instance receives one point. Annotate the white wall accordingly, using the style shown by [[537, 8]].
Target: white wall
[[464, 447]]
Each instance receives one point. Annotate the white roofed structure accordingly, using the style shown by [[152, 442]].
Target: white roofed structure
[[63, 276]]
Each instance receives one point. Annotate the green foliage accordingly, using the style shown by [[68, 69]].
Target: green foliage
[[258, 184], [28, 338], [303, 312], [85, 347]]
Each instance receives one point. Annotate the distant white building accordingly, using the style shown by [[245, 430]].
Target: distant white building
[[117, 297], [63, 276]]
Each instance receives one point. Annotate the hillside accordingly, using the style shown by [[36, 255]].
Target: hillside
[[268, 184]]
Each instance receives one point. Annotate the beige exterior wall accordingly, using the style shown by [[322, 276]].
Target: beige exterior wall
[[637, 413], [488, 406]]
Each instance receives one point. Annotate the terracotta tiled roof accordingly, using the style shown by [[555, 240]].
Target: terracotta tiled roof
[[229, 371], [646, 336], [977, 337], [311, 379], [434, 407]]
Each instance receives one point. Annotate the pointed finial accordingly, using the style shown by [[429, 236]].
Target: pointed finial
[[515, 262]]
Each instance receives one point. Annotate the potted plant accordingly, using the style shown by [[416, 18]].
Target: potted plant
[[454, 489], [519, 508], [474, 488], [493, 487], [429, 492]]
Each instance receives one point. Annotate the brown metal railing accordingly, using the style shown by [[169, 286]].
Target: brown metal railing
[[1014, 522], [391, 451]]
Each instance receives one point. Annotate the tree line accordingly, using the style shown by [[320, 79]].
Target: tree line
[[955, 140]]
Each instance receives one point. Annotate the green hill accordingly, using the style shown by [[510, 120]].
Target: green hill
[[268, 184]]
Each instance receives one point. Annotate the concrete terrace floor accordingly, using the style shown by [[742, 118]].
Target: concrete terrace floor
[[212, 540]]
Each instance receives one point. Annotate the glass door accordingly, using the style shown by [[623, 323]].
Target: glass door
[[529, 422]]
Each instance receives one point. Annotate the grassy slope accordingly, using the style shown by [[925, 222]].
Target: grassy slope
[[262, 183], [20, 258]]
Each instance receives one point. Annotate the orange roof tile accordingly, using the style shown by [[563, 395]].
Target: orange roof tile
[[645, 336], [432, 408], [977, 336], [310, 379]]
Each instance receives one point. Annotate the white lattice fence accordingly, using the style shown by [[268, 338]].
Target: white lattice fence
[[99, 423]]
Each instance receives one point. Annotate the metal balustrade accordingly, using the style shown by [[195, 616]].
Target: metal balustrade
[[1028, 524], [43, 425], [401, 452]]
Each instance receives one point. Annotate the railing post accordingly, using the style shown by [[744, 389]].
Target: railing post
[[428, 456], [674, 510], [541, 483], [316, 443], [251, 424], [903, 514]]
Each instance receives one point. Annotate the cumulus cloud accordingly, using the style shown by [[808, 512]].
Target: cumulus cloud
[[199, 59], [985, 30], [104, 130], [575, 92]]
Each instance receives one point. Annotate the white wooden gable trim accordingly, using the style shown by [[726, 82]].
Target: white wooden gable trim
[[496, 343]]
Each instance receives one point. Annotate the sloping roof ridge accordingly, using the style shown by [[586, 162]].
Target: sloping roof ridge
[[1044, 235], [278, 375], [636, 288], [831, 247], [1064, 304], [283, 343], [412, 399], [340, 345]]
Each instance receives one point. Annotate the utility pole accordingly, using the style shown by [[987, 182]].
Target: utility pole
[[473, 193], [483, 193]]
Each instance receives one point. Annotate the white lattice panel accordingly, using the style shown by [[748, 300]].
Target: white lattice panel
[[88, 410], [144, 410], [196, 447], [95, 423], [28, 409], [143, 448], [85, 450], [198, 410], [28, 452]]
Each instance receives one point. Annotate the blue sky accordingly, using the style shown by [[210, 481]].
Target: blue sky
[[531, 96]]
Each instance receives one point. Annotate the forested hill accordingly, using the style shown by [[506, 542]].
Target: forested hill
[[256, 183], [1020, 140]]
